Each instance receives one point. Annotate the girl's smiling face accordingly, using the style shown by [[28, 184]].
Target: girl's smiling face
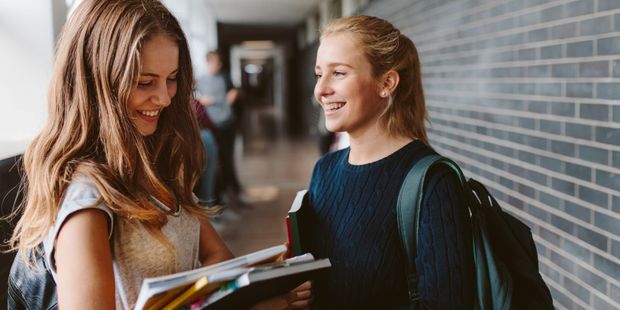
[[345, 86], [157, 83]]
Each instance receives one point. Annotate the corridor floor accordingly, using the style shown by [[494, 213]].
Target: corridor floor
[[271, 172]]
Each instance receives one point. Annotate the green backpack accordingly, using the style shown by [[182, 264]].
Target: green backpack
[[505, 258]]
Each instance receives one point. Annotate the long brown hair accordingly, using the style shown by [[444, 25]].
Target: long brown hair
[[386, 48], [89, 130]]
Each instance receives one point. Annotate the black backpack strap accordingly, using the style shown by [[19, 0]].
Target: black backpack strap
[[408, 213]]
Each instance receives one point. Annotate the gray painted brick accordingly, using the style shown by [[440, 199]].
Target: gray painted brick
[[527, 88], [538, 213], [536, 142], [531, 3], [564, 70], [565, 187], [616, 66], [579, 131], [580, 49], [551, 52], [550, 236], [594, 154], [616, 114], [549, 89], [607, 223], [615, 204], [527, 157], [564, 225], [553, 127], [615, 249], [515, 170], [599, 303], [604, 5], [605, 265], [577, 290], [614, 290], [580, 252], [526, 54], [587, 276], [514, 201], [526, 190], [538, 35], [537, 106], [549, 200], [608, 179], [607, 135], [561, 298], [615, 159], [562, 108], [507, 72], [596, 25], [592, 238], [506, 182], [598, 112], [617, 22], [609, 91], [581, 90], [551, 164], [608, 46], [536, 177], [564, 31], [594, 196], [579, 171], [578, 211], [528, 19], [594, 69], [526, 122], [552, 13], [538, 71], [581, 7], [563, 148], [516, 137]]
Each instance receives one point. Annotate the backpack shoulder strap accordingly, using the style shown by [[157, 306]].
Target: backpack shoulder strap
[[408, 209]]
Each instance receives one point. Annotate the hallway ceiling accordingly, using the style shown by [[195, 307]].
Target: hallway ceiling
[[262, 12]]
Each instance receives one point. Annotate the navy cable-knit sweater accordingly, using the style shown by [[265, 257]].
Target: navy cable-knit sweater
[[354, 217]]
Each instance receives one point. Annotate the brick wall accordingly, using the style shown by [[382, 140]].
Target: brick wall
[[525, 95]]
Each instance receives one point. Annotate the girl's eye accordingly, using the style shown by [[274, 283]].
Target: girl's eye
[[145, 83], [172, 79], [339, 73], [317, 76]]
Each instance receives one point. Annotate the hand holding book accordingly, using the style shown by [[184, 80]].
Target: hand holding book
[[299, 298]]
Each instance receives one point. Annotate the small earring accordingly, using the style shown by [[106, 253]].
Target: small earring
[[384, 94]]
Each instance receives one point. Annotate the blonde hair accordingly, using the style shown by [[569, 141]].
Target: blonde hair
[[386, 49], [89, 130]]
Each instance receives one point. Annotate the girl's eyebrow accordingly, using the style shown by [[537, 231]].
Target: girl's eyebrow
[[155, 74], [335, 64]]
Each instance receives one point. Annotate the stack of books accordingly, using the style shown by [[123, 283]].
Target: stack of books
[[238, 283]]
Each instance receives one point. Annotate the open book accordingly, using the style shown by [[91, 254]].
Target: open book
[[262, 282], [158, 292]]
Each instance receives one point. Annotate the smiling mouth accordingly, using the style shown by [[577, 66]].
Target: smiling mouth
[[333, 106], [149, 113]]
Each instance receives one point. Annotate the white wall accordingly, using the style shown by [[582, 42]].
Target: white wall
[[27, 38], [200, 26]]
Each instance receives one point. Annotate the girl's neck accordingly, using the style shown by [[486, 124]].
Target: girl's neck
[[374, 145]]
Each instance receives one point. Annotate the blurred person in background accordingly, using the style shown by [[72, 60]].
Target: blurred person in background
[[216, 93]]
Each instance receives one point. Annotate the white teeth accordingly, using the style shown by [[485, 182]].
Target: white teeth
[[151, 113], [333, 106]]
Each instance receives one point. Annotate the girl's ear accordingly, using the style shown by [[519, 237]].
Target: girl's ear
[[389, 83]]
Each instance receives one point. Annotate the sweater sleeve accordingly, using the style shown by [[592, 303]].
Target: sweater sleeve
[[444, 257]]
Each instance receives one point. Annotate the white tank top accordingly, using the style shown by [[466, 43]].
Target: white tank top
[[136, 253]]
